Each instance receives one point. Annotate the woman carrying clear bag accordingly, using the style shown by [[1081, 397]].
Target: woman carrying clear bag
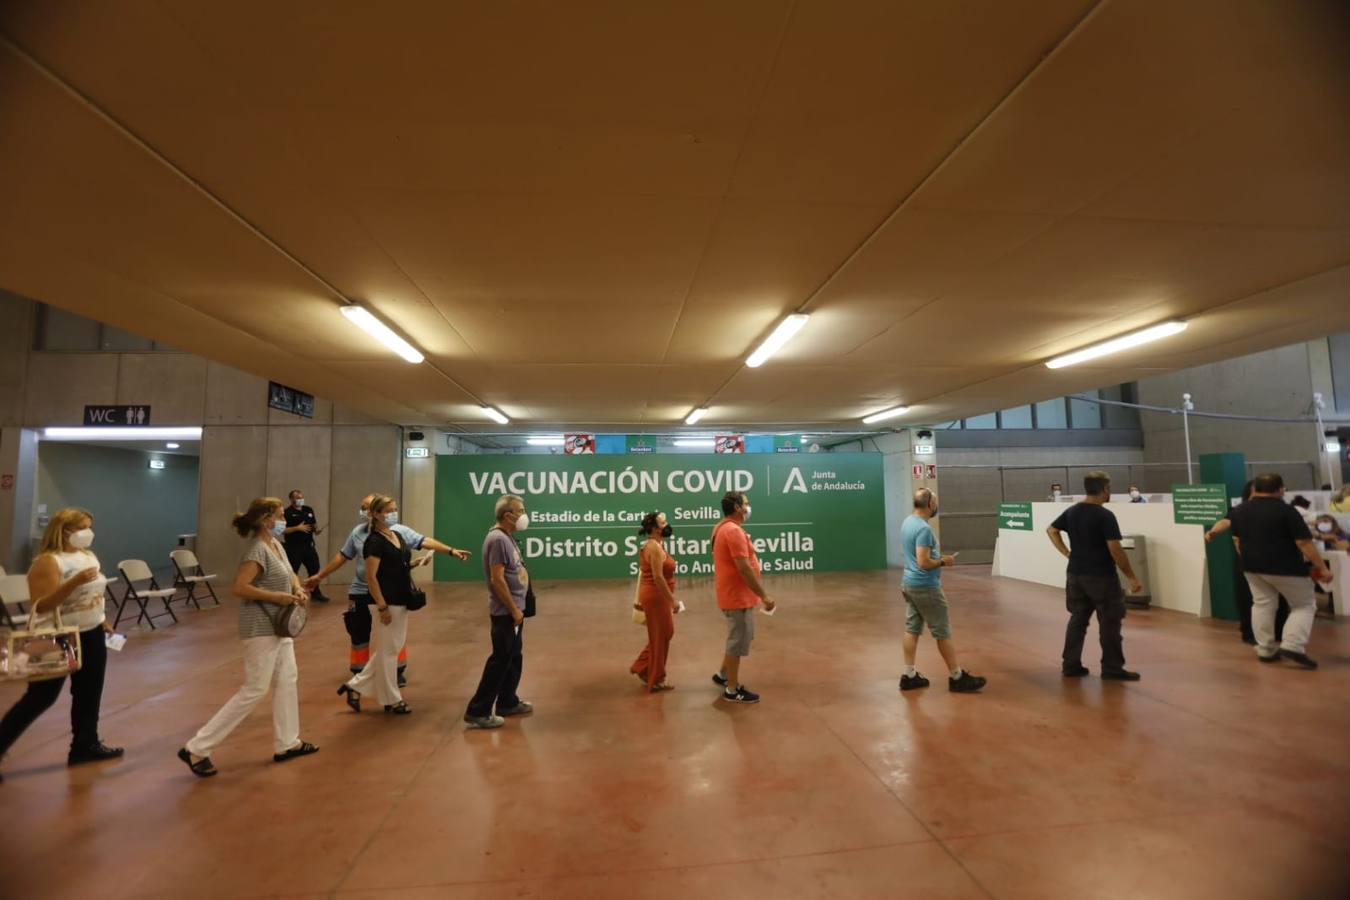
[[265, 586], [65, 578], [656, 597]]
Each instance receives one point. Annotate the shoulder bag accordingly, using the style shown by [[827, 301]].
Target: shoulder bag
[[290, 620], [41, 653]]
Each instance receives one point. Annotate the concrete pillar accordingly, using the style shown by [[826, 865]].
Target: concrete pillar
[[18, 487]]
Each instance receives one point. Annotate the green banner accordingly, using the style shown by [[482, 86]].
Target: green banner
[[1199, 504], [1014, 516], [822, 513]]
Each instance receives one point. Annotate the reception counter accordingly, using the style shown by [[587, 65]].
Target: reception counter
[[1176, 553]]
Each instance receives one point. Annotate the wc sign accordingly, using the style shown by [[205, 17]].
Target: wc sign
[[116, 415]]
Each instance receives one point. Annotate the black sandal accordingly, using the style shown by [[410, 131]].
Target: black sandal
[[353, 697], [202, 768], [400, 708], [305, 748]]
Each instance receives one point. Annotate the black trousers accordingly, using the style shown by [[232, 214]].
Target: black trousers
[[501, 672], [306, 555], [1102, 594], [86, 695]]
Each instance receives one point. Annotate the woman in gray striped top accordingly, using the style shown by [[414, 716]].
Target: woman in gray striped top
[[265, 585]]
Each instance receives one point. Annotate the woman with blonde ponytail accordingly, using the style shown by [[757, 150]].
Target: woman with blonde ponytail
[[65, 577]]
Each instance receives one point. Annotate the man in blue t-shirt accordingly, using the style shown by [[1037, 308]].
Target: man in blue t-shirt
[[924, 600], [1094, 554]]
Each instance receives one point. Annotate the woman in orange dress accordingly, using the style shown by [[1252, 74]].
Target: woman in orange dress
[[656, 596]]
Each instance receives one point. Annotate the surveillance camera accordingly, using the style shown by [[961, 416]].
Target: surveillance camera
[[925, 435]]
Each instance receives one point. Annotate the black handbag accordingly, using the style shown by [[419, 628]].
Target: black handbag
[[417, 598]]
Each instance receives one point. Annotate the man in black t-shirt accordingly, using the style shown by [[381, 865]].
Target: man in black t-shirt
[[1094, 554], [1278, 556], [298, 539]]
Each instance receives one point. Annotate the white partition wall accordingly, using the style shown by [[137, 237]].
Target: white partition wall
[[1176, 553]]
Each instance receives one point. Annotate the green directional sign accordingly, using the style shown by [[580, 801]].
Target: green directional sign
[[1014, 516], [640, 443], [1199, 504], [811, 512]]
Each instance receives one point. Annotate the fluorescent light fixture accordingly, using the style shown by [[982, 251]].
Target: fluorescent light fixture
[[156, 463], [886, 414], [706, 443], [774, 342], [1333, 446], [694, 417], [495, 415], [172, 445], [544, 441], [120, 434], [363, 319], [1115, 345]]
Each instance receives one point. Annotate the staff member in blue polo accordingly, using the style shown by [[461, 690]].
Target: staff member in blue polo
[[925, 603]]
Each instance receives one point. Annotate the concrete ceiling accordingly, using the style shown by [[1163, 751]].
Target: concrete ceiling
[[593, 212]]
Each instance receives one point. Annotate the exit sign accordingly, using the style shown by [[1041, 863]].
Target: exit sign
[[416, 452]]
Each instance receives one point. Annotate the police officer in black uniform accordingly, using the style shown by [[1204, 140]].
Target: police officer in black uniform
[[298, 538]]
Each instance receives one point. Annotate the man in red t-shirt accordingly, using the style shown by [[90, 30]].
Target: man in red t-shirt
[[739, 591]]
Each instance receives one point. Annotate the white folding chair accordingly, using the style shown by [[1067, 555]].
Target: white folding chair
[[13, 592], [189, 575], [134, 570]]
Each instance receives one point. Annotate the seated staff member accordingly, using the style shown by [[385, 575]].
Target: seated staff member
[[1328, 530], [656, 596], [265, 585], [388, 559], [65, 575], [357, 617]]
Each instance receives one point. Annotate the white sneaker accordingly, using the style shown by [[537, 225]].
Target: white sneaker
[[485, 721]]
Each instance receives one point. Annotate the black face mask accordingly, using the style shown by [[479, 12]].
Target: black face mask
[[667, 531]]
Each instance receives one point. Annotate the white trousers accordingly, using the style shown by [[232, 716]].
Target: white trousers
[[382, 668], [267, 661], [1266, 591]]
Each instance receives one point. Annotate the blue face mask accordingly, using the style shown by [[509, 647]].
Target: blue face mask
[[278, 527], [391, 519]]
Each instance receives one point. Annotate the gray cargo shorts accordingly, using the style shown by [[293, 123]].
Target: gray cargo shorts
[[740, 631], [926, 605]]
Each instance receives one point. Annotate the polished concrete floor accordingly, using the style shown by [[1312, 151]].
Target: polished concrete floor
[[1213, 777]]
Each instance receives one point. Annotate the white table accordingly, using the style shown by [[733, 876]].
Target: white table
[[1338, 561]]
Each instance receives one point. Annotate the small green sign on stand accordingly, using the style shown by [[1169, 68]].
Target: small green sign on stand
[[1199, 504], [1014, 516]]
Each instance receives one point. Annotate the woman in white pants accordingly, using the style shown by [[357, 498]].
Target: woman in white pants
[[265, 585], [388, 559]]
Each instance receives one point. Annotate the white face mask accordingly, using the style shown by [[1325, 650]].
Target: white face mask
[[523, 522], [1134, 495], [747, 512], [363, 514], [81, 539], [1324, 527]]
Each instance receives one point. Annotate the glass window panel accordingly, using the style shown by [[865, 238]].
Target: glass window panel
[[1084, 414], [1051, 414], [63, 330], [986, 421], [1017, 417]]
